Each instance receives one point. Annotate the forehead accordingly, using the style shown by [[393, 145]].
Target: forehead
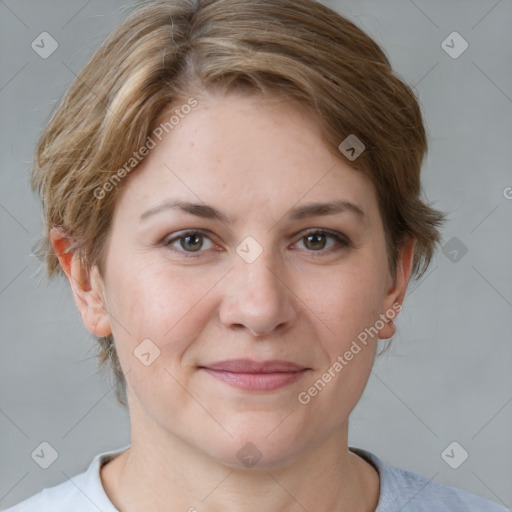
[[245, 152]]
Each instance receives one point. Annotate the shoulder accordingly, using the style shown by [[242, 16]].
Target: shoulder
[[405, 491], [59, 498], [81, 493]]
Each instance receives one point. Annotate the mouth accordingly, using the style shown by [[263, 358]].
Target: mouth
[[252, 375]]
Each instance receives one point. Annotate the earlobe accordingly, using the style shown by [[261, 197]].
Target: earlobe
[[396, 294], [87, 286], [388, 331]]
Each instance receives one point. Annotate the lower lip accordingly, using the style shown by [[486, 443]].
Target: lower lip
[[256, 381]]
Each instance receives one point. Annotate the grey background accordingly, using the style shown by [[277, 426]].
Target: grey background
[[448, 374]]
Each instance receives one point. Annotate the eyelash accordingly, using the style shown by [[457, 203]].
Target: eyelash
[[341, 241]]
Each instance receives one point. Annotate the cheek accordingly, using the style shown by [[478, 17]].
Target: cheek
[[346, 314], [157, 303], [160, 315], [348, 302]]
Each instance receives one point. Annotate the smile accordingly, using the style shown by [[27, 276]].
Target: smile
[[252, 375]]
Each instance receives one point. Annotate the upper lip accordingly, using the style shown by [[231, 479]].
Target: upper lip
[[251, 366]]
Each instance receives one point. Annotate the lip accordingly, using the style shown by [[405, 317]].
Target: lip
[[251, 366], [253, 375]]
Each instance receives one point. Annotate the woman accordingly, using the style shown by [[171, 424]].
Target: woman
[[232, 189]]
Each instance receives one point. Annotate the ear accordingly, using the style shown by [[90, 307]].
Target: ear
[[87, 287], [396, 291]]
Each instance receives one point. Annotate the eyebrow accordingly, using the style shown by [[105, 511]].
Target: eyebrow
[[298, 213]]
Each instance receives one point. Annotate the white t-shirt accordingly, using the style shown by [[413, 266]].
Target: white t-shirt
[[400, 491]]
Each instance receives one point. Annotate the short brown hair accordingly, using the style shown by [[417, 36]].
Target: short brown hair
[[165, 51]]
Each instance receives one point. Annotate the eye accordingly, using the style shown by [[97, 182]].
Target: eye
[[316, 241], [189, 241]]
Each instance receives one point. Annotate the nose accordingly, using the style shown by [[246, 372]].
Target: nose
[[257, 298]]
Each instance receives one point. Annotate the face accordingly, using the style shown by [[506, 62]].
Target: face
[[251, 273]]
